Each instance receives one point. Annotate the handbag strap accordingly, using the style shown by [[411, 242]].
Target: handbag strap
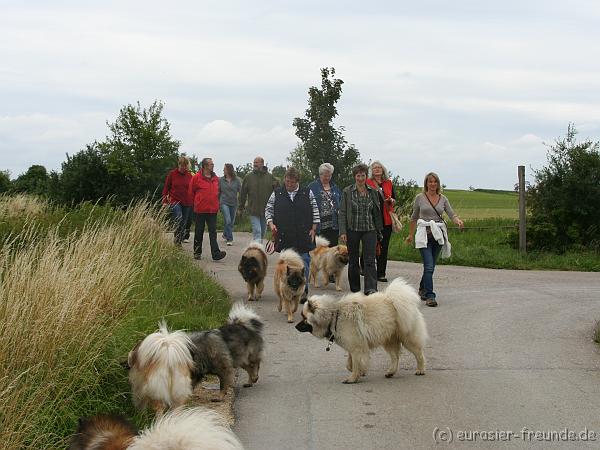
[[439, 215]]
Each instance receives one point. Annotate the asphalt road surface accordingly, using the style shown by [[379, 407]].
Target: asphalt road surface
[[510, 362]]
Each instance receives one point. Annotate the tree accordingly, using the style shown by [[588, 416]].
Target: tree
[[279, 172], [320, 141], [34, 181], [243, 170], [139, 152], [565, 199], [84, 177], [406, 191], [299, 161], [5, 183]]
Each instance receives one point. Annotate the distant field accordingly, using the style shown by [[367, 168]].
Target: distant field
[[484, 205]]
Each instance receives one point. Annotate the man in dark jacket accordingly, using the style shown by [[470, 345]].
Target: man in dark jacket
[[293, 215], [256, 188], [204, 190]]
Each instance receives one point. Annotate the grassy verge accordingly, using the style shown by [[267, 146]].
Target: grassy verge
[[485, 244], [78, 290]]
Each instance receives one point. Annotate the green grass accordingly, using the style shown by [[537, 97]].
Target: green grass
[[168, 284], [486, 244], [484, 204]]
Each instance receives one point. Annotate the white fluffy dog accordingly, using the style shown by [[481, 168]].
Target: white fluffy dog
[[358, 323], [160, 370]]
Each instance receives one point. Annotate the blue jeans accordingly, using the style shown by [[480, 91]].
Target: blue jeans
[[259, 226], [181, 215], [429, 255], [229, 217]]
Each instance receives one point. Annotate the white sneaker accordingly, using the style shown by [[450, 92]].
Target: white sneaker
[[186, 240], [229, 243]]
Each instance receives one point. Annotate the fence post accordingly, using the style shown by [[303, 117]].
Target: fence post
[[522, 228]]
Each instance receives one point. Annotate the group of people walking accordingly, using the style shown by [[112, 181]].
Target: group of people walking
[[359, 216]]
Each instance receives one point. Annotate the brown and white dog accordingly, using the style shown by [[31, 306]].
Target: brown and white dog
[[289, 282], [160, 368], [253, 268], [180, 429], [165, 367], [330, 261]]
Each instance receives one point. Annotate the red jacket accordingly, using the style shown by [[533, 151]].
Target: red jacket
[[176, 188], [205, 193], [388, 191]]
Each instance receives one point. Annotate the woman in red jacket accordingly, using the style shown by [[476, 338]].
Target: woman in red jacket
[[380, 180], [204, 190], [176, 194]]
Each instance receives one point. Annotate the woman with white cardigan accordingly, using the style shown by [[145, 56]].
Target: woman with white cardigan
[[431, 235]]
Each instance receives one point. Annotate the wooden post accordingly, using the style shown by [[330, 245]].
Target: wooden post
[[522, 228]]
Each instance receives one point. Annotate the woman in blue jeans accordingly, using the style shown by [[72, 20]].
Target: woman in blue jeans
[[229, 188], [431, 235]]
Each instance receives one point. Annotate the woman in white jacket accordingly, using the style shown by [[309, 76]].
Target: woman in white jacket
[[431, 233]]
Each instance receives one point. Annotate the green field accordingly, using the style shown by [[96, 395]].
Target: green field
[[484, 204], [491, 217]]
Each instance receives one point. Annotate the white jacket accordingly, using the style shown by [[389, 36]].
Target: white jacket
[[439, 232]]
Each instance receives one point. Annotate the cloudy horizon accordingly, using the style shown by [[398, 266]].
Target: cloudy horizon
[[470, 90]]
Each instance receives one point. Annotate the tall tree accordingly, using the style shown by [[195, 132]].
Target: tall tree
[[320, 140], [139, 152]]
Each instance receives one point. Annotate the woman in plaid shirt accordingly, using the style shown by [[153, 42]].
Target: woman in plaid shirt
[[360, 220]]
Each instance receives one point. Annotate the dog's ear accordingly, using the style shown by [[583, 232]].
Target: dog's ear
[[311, 307], [243, 259]]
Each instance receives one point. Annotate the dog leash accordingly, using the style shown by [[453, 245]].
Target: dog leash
[[330, 333]]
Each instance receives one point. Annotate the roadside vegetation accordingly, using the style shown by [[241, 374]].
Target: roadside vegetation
[[78, 289]]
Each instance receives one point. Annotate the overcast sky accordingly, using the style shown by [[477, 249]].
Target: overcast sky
[[469, 89]]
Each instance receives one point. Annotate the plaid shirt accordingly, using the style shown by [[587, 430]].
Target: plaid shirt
[[362, 212]]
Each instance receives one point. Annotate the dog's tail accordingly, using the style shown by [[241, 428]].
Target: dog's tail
[[406, 301], [161, 367], [244, 315], [112, 431], [185, 429], [320, 241]]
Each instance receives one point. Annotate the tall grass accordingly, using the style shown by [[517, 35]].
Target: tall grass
[[61, 298]]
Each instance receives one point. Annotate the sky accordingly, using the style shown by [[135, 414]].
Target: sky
[[468, 89]]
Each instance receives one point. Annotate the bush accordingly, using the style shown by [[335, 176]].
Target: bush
[[564, 203]]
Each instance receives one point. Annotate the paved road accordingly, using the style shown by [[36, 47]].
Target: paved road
[[508, 350]]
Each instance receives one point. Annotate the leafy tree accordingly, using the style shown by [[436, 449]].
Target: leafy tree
[[139, 152], [84, 177], [405, 191], [34, 181], [299, 160], [320, 140], [5, 183], [279, 172], [565, 200], [244, 169]]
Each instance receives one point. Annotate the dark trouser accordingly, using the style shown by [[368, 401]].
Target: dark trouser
[[188, 222], [331, 235], [211, 221], [429, 255], [369, 241], [180, 216], [383, 256]]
